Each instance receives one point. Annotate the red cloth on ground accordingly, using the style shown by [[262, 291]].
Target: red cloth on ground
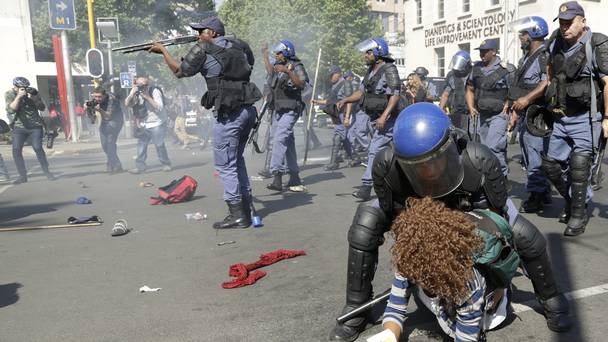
[[242, 272]]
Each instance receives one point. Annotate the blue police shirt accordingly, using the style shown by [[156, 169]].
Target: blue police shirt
[[535, 74]]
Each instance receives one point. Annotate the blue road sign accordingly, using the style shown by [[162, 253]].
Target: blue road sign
[[62, 14], [126, 80]]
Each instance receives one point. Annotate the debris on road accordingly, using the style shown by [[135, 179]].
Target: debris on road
[[226, 243], [83, 200], [120, 228], [197, 216], [145, 288], [145, 184], [243, 273]]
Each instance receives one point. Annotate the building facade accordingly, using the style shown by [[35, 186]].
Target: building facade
[[391, 14], [436, 29], [20, 58]]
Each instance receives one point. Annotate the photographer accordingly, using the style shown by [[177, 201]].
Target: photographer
[[108, 107], [22, 105], [150, 123]]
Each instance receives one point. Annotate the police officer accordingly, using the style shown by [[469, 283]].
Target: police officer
[[578, 70], [429, 88], [464, 175], [454, 91], [112, 120], [379, 96], [23, 104], [357, 122], [528, 88], [340, 88], [226, 65], [287, 80], [487, 99]]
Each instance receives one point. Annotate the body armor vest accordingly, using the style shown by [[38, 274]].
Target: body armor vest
[[488, 98], [456, 99], [284, 97], [570, 91], [521, 89], [231, 89], [374, 104]]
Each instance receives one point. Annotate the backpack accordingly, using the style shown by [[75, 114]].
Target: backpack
[[498, 261], [179, 190]]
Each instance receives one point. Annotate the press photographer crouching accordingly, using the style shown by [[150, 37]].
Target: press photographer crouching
[[150, 123], [112, 120], [23, 104]]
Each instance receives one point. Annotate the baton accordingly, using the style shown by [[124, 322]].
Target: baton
[[253, 137], [364, 307]]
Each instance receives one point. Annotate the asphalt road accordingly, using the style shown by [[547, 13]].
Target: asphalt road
[[81, 284]]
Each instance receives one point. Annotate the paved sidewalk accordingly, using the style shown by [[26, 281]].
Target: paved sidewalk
[[63, 147]]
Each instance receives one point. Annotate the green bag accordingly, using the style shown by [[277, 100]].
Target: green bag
[[499, 260]]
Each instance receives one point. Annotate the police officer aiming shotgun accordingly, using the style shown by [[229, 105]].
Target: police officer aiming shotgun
[[226, 65]]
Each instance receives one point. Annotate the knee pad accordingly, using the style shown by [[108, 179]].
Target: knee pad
[[580, 166], [367, 230], [529, 242], [552, 167]]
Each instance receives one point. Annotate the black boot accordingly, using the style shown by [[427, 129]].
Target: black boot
[[333, 159], [533, 204], [236, 218], [580, 169], [277, 182], [364, 193], [247, 202], [564, 216], [553, 171], [555, 305], [361, 269]]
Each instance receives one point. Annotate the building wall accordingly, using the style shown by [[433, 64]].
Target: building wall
[[392, 13], [459, 29], [19, 59]]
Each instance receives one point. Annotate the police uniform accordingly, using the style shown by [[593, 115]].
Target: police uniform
[[378, 86], [360, 126], [340, 90], [571, 145], [530, 72], [455, 87], [464, 175], [491, 85], [288, 105], [109, 129], [226, 65]]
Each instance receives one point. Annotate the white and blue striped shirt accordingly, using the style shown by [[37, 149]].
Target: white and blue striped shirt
[[467, 323]]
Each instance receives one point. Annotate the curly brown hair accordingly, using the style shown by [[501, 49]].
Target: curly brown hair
[[434, 247]]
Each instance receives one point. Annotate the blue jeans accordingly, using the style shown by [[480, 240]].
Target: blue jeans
[[230, 134], [156, 135], [108, 134], [20, 135]]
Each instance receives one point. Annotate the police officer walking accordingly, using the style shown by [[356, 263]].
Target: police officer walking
[[380, 93], [465, 175], [487, 99], [340, 88], [528, 89], [454, 91], [226, 65], [578, 70], [287, 80]]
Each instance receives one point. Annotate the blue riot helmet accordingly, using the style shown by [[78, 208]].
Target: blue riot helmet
[[536, 28], [377, 46], [426, 151], [461, 61], [285, 47]]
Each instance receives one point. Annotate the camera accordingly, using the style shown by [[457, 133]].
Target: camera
[[90, 106], [31, 91]]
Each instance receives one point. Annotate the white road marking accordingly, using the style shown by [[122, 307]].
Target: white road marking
[[577, 294]]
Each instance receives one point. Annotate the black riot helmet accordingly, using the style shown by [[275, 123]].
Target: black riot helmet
[[422, 72]]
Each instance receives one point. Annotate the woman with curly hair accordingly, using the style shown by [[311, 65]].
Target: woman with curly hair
[[435, 250]]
